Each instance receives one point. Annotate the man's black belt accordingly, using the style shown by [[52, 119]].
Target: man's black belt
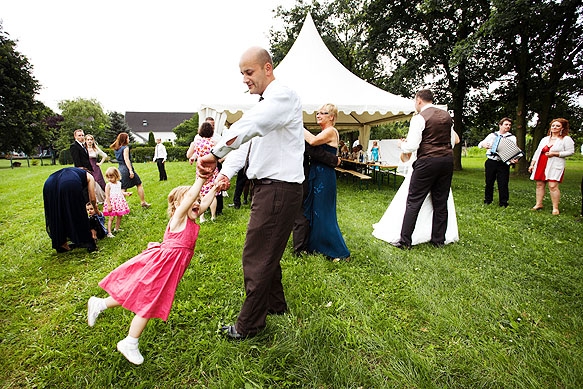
[[266, 181]]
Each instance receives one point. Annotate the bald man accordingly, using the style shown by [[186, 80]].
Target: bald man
[[268, 142]]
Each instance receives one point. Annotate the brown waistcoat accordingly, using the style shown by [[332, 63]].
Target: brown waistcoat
[[436, 137]]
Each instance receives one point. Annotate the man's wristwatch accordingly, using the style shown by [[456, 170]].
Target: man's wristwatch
[[214, 155]]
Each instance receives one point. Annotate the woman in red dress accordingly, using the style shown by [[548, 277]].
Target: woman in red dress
[[548, 162]]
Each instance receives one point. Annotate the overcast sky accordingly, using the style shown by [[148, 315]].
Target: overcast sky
[[130, 55]]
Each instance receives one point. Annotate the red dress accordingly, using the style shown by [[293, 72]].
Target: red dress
[[146, 284], [541, 165]]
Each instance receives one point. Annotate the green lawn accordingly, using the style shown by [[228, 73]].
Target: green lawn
[[502, 308]]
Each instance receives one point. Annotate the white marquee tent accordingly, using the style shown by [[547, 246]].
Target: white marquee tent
[[316, 75]]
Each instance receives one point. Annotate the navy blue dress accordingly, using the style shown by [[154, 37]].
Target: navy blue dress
[[320, 210], [126, 181], [65, 213]]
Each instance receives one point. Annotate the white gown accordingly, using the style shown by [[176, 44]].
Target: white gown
[[389, 227]]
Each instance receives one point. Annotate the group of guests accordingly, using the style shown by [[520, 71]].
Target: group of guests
[[269, 143], [547, 166], [427, 196], [72, 195]]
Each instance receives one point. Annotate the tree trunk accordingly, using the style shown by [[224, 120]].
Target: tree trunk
[[458, 126], [521, 64]]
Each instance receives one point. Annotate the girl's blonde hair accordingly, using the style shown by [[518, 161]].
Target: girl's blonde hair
[[112, 172], [176, 195]]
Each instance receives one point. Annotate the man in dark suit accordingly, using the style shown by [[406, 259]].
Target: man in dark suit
[[79, 151], [430, 134], [301, 228]]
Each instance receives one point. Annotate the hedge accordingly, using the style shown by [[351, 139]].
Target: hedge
[[139, 154]]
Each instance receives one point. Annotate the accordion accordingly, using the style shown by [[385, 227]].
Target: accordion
[[506, 150]]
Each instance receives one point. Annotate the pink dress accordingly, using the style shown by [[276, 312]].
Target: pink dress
[[146, 284], [203, 147], [119, 205]]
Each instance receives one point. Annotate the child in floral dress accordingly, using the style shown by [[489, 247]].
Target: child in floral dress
[[115, 203]]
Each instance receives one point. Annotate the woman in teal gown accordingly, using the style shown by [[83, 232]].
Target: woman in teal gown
[[320, 204]]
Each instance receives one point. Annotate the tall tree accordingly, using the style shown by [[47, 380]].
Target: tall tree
[[53, 129], [117, 124], [186, 131], [432, 44], [81, 113], [20, 114], [542, 44], [342, 28]]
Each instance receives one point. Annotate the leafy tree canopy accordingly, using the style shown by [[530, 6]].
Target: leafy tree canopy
[[342, 28], [22, 117], [540, 45], [117, 125], [484, 59], [186, 131], [82, 114]]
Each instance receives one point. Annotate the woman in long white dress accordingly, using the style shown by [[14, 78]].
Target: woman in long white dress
[[389, 227]]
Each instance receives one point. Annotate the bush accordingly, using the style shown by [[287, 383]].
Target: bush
[[65, 157], [475, 151], [146, 153]]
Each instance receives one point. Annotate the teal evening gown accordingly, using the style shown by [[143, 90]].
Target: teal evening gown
[[320, 209]]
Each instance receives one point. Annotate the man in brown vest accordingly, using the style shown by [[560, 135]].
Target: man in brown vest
[[430, 134]]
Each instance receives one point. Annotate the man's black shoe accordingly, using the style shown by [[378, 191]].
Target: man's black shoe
[[232, 333], [402, 246], [236, 206]]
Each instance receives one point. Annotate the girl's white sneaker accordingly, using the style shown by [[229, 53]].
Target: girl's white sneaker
[[130, 351], [93, 310]]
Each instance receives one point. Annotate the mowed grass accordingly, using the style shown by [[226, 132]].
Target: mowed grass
[[502, 308]]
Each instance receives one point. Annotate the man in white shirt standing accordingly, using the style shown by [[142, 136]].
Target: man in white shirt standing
[[160, 156], [269, 142], [495, 168]]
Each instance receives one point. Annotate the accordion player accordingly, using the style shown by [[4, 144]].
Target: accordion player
[[506, 150]]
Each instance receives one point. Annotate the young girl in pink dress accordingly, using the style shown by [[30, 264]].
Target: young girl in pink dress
[[146, 284], [115, 204]]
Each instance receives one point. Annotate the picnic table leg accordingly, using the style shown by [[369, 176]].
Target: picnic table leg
[[394, 180]]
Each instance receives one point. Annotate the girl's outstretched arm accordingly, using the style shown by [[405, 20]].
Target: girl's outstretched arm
[[181, 212], [207, 200]]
